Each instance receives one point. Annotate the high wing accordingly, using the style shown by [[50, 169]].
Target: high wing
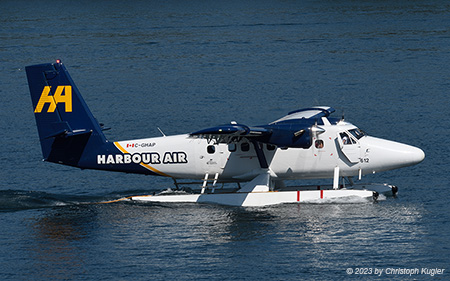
[[229, 133], [311, 113], [293, 130]]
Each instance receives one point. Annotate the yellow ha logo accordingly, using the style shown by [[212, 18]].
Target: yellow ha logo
[[53, 100]]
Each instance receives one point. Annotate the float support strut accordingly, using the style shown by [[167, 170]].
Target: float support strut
[[336, 178]]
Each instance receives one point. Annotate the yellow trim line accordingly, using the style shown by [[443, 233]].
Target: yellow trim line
[[119, 147]]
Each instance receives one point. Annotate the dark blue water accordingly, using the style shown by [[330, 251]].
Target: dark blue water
[[186, 65]]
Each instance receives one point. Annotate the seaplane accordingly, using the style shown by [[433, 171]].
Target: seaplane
[[256, 161]]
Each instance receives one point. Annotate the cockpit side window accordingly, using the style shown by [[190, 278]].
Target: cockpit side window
[[346, 139]]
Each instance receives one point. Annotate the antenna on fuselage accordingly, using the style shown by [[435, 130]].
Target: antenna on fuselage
[[162, 133], [343, 115]]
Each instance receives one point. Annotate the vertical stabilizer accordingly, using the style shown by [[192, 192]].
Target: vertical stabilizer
[[67, 129]]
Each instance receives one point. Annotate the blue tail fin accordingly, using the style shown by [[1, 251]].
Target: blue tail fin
[[67, 128]]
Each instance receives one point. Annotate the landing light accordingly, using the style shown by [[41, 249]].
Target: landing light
[[58, 61]]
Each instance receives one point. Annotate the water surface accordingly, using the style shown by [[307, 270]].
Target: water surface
[[183, 66]]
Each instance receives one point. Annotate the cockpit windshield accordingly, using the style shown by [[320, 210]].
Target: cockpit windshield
[[357, 133]]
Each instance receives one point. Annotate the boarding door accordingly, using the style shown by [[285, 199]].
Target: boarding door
[[349, 146], [212, 158]]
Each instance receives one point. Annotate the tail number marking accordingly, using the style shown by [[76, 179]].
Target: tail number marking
[[53, 100]]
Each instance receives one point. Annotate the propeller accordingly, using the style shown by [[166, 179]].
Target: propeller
[[316, 130]]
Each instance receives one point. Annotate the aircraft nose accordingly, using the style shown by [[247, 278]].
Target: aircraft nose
[[388, 155], [408, 155], [416, 155]]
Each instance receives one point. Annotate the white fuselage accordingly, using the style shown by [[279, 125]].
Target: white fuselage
[[182, 156]]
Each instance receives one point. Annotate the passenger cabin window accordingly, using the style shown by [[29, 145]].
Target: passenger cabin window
[[271, 147], [319, 144], [211, 149], [346, 139], [245, 146], [232, 147]]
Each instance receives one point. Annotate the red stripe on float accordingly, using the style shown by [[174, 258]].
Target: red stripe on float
[[298, 195], [321, 194]]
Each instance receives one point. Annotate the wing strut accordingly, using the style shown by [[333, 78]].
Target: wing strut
[[260, 153]]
